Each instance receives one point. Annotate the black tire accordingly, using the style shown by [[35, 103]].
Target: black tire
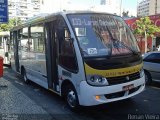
[[72, 98], [24, 75], [148, 78]]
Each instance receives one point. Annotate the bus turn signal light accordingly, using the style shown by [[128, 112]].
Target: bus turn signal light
[[97, 97]]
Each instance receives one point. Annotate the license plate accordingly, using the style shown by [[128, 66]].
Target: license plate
[[128, 87]]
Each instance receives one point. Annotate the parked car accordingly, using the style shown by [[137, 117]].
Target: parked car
[[152, 66]]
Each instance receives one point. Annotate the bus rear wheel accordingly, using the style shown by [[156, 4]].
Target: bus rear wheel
[[72, 98], [24, 75]]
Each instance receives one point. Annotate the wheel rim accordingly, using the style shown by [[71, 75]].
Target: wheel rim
[[71, 99]]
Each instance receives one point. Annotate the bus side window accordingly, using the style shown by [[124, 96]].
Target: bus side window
[[67, 56], [36, 41], [23, 39]]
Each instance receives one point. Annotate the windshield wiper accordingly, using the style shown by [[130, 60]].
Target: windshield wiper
[[84, 51], [122, 43]]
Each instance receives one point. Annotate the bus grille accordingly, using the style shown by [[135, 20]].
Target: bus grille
[[121, 93], [123, 79]]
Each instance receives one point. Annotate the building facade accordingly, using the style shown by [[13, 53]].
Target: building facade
[[148, 7], [24, 9]]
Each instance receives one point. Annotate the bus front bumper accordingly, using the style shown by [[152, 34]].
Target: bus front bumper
[[91, 95]]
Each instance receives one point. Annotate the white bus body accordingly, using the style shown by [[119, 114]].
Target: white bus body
[[90, 58]]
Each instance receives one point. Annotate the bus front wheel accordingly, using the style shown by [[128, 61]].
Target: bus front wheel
[[72, 98], [148, 78]]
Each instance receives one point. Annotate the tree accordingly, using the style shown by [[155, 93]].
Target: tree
[[12, 22], [125, 14], [145, 28]]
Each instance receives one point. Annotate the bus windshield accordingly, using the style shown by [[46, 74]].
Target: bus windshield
[[102, 35]]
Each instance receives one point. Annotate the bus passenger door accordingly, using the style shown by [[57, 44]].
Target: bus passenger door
[[15, 56], [51, 56]]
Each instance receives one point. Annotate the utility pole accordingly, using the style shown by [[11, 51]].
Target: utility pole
[[120, 7]]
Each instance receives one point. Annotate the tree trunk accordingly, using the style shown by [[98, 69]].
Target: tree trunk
[[145, 41], [141, 44]]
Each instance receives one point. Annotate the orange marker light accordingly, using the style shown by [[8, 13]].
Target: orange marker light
[[97, 97]]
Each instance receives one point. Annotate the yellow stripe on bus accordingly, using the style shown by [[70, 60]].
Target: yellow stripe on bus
[[112, 72]]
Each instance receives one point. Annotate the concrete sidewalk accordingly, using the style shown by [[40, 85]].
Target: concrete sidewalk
[[16, 105]]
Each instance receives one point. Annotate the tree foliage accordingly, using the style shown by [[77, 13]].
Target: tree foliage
[[125, 14], [145, 28], [12, 22], [145, 25]]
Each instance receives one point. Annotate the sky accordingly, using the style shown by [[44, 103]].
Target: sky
[[127, 5], [130, 5]]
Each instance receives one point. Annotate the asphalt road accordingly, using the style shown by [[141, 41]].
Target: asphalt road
[[21, 101]]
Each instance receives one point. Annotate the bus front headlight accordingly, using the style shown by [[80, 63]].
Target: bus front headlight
[[96, 80]]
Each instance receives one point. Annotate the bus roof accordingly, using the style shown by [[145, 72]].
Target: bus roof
[[42, 17]]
